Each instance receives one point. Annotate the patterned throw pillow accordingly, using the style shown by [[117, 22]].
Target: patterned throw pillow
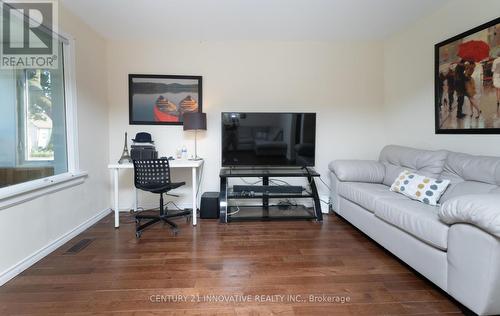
[[420, 188]]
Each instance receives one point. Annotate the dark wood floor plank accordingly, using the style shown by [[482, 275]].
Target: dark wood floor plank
[[116, 274]]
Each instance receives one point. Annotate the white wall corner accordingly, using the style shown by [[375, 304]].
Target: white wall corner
[[10, 273]]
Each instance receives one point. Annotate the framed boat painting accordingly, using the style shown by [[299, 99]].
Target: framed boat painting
[[163, 99], [467, 82]]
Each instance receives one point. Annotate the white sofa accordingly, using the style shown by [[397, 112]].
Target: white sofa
[[461, 256]]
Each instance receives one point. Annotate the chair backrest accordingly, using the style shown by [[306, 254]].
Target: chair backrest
[[151, 173]]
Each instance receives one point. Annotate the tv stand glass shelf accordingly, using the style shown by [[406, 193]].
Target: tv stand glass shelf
[[237, 205]]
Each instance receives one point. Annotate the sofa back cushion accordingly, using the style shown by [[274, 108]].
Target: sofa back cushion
[[425, 162], [471, 175]]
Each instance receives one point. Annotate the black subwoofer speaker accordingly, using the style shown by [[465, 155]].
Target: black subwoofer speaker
[[209, 207]]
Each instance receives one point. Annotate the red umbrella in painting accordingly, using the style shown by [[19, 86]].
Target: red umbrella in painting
[[474, 51]]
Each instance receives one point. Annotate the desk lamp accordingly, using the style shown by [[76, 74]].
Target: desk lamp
[[195, 121]]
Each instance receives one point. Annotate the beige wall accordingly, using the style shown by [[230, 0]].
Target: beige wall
[[31, 226], [409, 78], [342, 82]]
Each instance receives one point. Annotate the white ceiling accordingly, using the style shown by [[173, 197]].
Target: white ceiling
[[250, 19]]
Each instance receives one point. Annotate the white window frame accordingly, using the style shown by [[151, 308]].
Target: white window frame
[[22, 192]]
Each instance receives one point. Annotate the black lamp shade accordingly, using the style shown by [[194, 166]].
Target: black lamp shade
[[195, 121]]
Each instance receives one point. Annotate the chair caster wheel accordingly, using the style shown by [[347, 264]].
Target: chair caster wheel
[[175, 231], [138, 235], [137, 221], [188, 218]]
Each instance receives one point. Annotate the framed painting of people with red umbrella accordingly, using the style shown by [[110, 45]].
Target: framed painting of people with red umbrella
[[467, 82], [163, 99]]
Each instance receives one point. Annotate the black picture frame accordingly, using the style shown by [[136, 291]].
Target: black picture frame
[[437, 81], [156, 115]]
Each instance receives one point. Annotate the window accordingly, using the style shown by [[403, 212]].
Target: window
[[34, 123], [41, 125]]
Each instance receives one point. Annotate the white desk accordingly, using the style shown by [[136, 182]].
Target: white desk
[[181, 163]]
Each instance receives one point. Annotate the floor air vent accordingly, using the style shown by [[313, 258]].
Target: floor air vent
[[79, 246]]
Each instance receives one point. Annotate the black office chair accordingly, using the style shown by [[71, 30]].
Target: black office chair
[[154, 176]]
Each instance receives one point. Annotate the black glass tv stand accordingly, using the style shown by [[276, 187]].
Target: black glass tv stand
[[230, 211]]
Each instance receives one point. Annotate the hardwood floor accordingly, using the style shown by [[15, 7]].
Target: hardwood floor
[[160, 274]]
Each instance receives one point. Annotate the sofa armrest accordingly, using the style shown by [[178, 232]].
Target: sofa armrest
[[473, 276], [358, 170], [480, 210]]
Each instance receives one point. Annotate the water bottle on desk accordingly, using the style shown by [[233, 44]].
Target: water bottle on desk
[[184, 153]]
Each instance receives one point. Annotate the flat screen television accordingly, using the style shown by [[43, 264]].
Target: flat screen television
[[268, 139]]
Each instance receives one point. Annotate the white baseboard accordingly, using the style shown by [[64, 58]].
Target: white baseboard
[[10, 273]]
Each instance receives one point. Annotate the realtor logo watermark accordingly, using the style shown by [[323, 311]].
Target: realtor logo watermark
[[29, 34]]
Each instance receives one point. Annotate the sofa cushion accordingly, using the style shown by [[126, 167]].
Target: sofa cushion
[[398, 158], [366, 194], [424, 189], [471, 175], [415, 218]]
